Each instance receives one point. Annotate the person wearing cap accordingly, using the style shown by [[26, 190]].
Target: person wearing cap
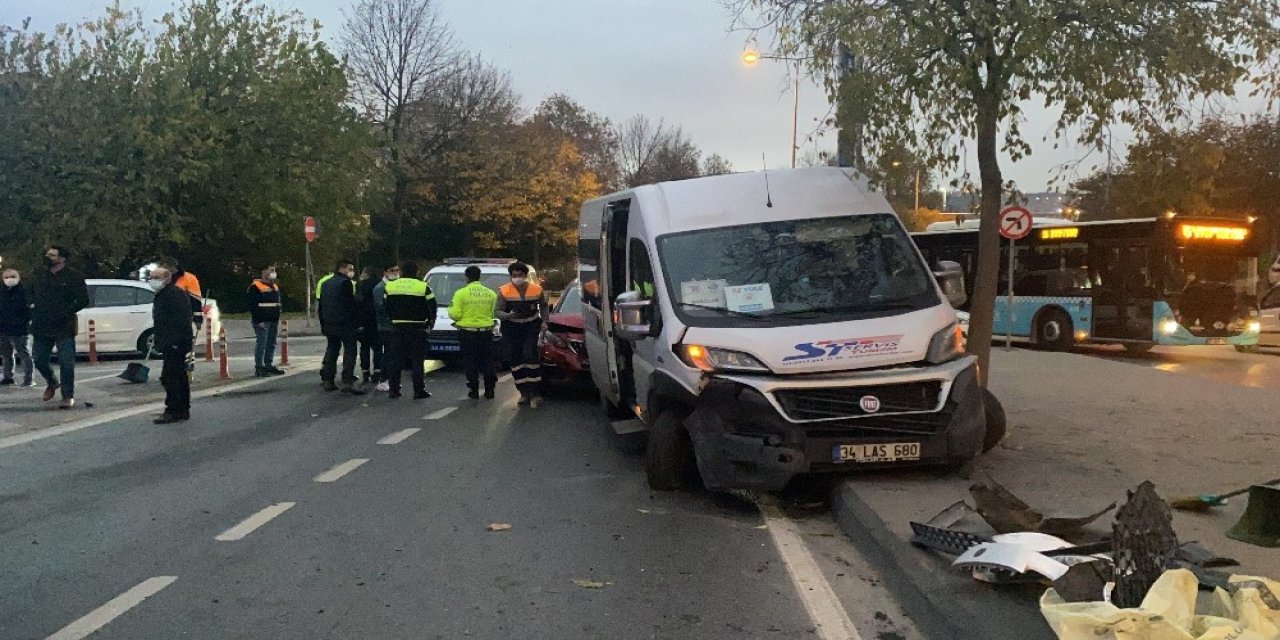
[[174, 339], [472, 310], [411, 306]]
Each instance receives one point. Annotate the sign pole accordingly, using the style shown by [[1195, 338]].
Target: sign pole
[[1008, 325], [310, 284]]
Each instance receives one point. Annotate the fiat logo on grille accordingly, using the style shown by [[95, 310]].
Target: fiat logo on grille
[[869, 404]]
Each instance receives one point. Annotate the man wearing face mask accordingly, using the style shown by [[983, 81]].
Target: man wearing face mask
[[522, 307], [57, 294], [385, 328], [15, 325], [264, 312], [171, 318], [339, 319]]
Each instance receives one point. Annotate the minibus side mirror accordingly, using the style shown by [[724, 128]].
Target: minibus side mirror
[[633, 316], [950, 276]]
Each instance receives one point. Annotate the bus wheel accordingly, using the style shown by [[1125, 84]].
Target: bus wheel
[[669, 464], [1137, 348], [997, 423], [1247, 348], [1054, 330]]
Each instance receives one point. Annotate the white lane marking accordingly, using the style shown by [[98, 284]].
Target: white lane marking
[[116, 607], [343, 469], [506, 377], [254, 521], [436, 415], [13, 441], [399, 436], [825, 610]]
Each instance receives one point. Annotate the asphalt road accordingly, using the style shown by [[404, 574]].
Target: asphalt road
[[1223, 364], [280, 511]]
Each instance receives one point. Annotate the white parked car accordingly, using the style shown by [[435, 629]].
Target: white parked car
[[121, 313], [1273, 276]]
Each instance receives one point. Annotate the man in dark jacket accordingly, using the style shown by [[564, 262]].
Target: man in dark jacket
[[15, 325], [370, 345], [57, 294], [264, 312], [339, 320], [411, 307], [171, 317]]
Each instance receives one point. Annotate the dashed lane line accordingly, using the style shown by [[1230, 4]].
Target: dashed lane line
[[820, 601], [13, 441], [253, 522], [116, 607], [436, 415], [334, 474], [399, 436]]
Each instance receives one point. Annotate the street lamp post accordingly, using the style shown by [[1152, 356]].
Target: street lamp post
[[750, 57], [898, 163]]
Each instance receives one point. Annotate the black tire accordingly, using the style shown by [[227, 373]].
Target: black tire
[[1247, 348], [146, 345], [1137, 348], [1054, 330], [669, 464], [997, 423]]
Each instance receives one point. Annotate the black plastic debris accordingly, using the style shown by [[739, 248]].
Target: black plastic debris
[[1145, 545], [1006, 513]]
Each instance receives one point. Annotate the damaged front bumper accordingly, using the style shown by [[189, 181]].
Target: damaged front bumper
[[758, 432]]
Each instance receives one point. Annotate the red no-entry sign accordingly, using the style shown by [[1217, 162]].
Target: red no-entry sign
[[1015, 222], [309, 229]]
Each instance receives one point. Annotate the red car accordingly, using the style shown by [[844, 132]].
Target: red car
[[564, 354]]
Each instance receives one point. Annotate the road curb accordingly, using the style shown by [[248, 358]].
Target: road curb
[[935, 606], [119, 414]]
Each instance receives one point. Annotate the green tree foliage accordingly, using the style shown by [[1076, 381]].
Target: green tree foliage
[[1215, 168], [208, 141], [927, 74]]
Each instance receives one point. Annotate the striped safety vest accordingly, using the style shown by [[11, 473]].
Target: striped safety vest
[[524, 307]]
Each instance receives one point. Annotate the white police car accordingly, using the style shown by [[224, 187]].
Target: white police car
[[447, 279]]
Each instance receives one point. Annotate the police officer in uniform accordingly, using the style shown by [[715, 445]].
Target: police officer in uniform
[[411, 306], [339, 319], [472, 312], [522, 307]]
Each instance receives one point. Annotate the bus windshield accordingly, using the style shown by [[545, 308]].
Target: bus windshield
[[819, 270], [1207, 267]]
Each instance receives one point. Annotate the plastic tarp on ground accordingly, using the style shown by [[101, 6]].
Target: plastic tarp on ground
[[1250, 611]]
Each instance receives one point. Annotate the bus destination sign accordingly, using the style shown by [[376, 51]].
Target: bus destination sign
[[1212, 232], [1060, 233]]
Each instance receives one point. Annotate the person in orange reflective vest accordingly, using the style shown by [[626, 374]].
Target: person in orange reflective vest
[[264, 312], [522, 307]]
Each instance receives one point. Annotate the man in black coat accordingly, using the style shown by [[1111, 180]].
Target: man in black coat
[[339, 321], [58, 293], [15, 326], [171, 316]]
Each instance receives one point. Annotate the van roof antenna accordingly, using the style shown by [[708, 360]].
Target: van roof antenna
[[768, 198]]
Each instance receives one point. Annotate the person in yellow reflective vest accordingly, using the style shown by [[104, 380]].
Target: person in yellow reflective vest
[[472, 312], [522, 306], [411, 306]]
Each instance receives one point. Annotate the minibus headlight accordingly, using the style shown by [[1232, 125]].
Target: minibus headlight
[[946, 345], [1254, 326], [1169, 327], [712, 359]]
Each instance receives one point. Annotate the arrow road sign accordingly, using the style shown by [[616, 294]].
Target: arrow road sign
[[1015, 223]]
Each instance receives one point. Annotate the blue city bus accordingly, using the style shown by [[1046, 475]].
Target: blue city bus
[[1175, 280]]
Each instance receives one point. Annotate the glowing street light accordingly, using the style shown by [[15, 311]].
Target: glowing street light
[[750, 57]]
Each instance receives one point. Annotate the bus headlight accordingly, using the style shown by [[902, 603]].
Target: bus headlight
[[1169, 327], [1253, 327]]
